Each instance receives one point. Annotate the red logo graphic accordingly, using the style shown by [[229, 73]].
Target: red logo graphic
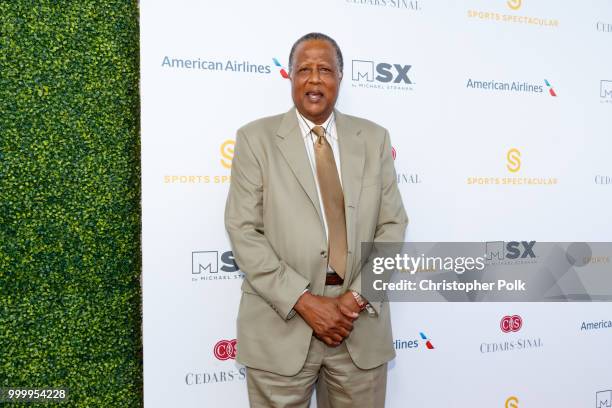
[[511, 323], [551, 91], [393, 152], [282, 70], [427, 341], [225, 349]]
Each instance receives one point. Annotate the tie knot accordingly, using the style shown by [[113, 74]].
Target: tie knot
[[319, 131]]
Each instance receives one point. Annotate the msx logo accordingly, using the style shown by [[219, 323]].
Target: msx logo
[[499, 250], [603, 399], [605, 90], [208, 262], [382, 72]]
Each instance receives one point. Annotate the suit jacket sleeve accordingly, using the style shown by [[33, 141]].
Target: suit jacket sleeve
[[392, 218], [271, 277]]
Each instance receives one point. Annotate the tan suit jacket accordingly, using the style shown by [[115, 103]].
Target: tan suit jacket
[[274, 221]]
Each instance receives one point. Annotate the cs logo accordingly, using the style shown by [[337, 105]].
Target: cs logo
[[225, 349], [511, 323], [514, 160], [227, 153], [514, 4]]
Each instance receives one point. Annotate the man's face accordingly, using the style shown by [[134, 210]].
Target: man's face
[[315, 79]]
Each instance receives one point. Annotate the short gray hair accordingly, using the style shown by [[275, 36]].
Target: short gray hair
[[317, 36]]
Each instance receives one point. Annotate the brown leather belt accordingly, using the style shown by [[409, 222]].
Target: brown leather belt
[[333, 279]]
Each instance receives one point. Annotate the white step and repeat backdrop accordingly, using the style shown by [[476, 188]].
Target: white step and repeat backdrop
[[500, 114]]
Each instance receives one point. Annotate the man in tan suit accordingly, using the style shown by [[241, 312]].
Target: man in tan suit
[[308, 186]]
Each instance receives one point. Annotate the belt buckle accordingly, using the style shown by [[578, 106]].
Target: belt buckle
[[333, 279]]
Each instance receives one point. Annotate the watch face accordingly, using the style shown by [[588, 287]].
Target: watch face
[[359, 300]]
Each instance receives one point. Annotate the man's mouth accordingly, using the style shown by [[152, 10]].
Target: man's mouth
[[314, 96]]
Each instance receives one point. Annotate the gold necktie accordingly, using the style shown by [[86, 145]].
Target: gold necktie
[[333, 201]]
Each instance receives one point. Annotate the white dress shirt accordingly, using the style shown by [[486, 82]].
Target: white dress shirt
[[309, 139]]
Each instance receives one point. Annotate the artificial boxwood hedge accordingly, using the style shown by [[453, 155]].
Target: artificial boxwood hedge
[[70, 311]]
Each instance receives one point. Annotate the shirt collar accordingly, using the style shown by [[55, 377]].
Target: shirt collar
[[306, 125]]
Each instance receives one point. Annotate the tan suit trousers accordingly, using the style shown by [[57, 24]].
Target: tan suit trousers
[[346, 385]]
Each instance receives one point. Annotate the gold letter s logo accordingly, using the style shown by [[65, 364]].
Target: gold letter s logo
[[511, 402], [514, 160], [514, 4], [227, 153]]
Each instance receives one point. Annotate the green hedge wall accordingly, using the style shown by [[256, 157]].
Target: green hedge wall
[[70, 313]]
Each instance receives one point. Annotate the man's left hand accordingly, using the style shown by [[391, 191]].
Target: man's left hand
[[348, 301]]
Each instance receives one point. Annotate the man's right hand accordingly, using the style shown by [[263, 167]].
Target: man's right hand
[[331, 321]]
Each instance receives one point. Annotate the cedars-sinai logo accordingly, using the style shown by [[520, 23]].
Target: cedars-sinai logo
[[225, 350], [511, 323]]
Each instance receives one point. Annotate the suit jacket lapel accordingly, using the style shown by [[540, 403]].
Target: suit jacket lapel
[[291, 145], [352, 160]]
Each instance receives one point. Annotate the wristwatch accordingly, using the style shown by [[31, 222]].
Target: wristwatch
[[360, 301]]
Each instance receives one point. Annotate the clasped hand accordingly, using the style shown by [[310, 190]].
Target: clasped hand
[[331, 319]]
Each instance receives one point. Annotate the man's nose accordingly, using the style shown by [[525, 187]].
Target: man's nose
[[314, 76]]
